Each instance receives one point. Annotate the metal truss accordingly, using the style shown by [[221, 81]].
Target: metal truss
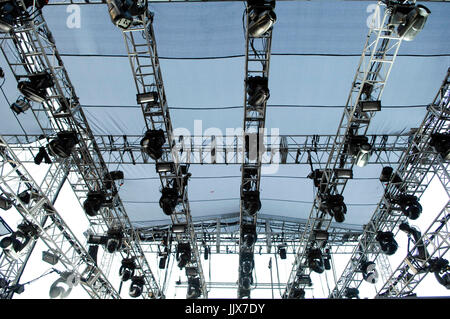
[[142, 52], [56, 234], [284, 149], [257, 64], [274, 232], [377, 59], [30, 49], [419, 164]]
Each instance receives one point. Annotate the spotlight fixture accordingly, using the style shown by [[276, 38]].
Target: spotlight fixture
[[441, 143], [351, 293], [50, 257], [257, 90], [12, 13], [121, 12], [150, 97], [440, 268], [370, 106], [387, 242], [111, 177], [316, 176], [315, 260], [16, 243], [183, 254], [42, 155], [35, 88], [251, 203], [137, 286], [93, 203], [410, 20], [247, 263], [179, 228], [369, 272], [168, 200], [20, 106], [63, 144], [416, 234], [410, 206], [5, 203], [152, 143], [114, 240], [261, 17], [327, 259], [343, 173], [193, 291], [253, 146], [387, 175], [249, 235], [360, 149], [334, 205], [127, 269], [62, 287], [165, 167], [282, 251]]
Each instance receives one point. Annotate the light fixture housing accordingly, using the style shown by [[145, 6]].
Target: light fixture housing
[[343, 173], [261, 17], [184, 252], [315, 260], [62, 287], [149, 97], [193, 291], [63, 144], [370, 106], [137, 286], [257, 90], [165, 167], [441, 143], [169, 200], [410, 20], [410, 206], [249, 235], [360, 148], [20, 106], [152, 143], [251, 203], [334, 205], [387, 242], [179, 228], [127, 268], [93, 203], [369, 271], [35, 88], [5, 203]]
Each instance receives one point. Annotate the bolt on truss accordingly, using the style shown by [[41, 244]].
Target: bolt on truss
[[257, 65], [419, 164], [377, 59], [29, 49], [56, 235], [142, 52]]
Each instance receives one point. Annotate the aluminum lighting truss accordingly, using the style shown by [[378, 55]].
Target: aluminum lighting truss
[[29, 49], [285, 149], [142, 52], [257, 62], [436, 238], [377, 59], [419, 164], [222, 232], [56, 235]]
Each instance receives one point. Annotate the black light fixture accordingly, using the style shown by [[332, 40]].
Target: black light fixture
[[257, 90], [370, 106], [184, 253], [42, 155], [179, 228], [193, 291], [165, 167], [62, 287], [149, 97], [121, 12], [315, 260], [249, 235], [94, 202], [5, 203], [251, 203], [12, 13], [261, 17], [317, 175], [127, 268], [16, 243], [410, 20], [20, 106], [410, 206], [440, 268], [387, 174], [351, 293], [137, 286], [63, 144], [282, 251], [441, 143], [114, 241], [343, 173], [112, 177], [334, 205], [168, 200], [50, 257], [416, 235], [247, 263], [360, 148], [387, 242], [153, 142], [35, 88], [369, 271]]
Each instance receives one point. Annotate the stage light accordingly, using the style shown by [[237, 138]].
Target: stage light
[[119, 14], [246, 282], [334, 205], [20, 106], [251, 203], [282, 251], [179, 228], [193, 291], [50, 257], [16, 243], [5, 203], [410, 206], [386, 175], [62, 287], [127, 268], [369, 272], [297, 293], [249, 235], [415, 233], [114, 240], [247, 263], [153, 142], [93, 203], [352, 293], [150, 97], [168, 200], [441, 143], [183, 254], [343, 173], [387, 242], [440, 268], [63, 144], [410, 20], [360, 149], [111, 177], [316, 176], [257, 90], [137, 286], [261, 17], [315, 260], [370, 106], [42, 155], [35, 88], [166, 167]]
